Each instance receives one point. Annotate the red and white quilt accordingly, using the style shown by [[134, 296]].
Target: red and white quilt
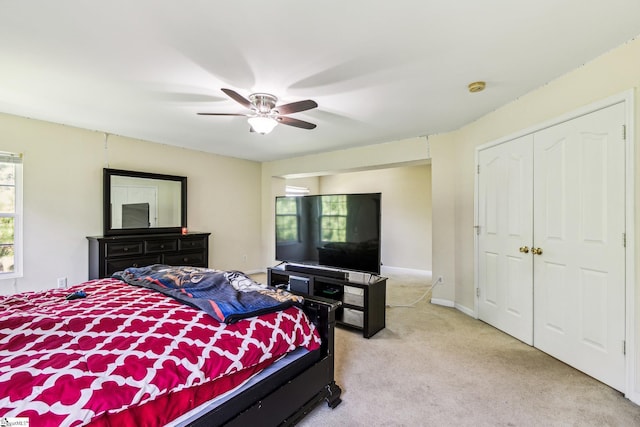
[[75, 362]]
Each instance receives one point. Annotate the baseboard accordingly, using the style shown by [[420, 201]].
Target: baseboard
[[442, 302], [388, 270], [634, 397], [465, 310]]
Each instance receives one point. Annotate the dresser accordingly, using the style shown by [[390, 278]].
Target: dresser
[[114, 253]]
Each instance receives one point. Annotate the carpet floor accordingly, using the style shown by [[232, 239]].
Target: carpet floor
[[435, 366]]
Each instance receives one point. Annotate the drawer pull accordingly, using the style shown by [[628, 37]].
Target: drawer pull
[[135, 265], [185, 259], [162, 246], [125, 249]]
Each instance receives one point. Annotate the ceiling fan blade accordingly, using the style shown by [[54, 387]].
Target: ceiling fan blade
[[221, 114], [295, 122], [237, 97], [296, 107]]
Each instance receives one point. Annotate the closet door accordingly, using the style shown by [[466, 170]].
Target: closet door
[[505, 192], [579, 254]]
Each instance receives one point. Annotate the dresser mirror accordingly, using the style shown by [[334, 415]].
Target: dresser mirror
[[143, 203]]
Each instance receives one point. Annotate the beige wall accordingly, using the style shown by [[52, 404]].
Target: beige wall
[[453, 166], [406, 210], [443, 183], [63, 197]]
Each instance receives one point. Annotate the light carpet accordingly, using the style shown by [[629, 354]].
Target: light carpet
[[435, 366]]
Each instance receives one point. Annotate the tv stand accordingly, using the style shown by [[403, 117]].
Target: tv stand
[[363, 295]]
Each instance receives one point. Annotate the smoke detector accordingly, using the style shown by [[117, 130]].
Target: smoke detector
[[476, 87]]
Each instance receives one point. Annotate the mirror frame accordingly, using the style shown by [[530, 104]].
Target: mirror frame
[[108, 231]]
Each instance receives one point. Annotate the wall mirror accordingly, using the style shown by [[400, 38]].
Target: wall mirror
[[142, 202]]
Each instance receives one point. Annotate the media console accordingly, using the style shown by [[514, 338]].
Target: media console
[[363, 295]]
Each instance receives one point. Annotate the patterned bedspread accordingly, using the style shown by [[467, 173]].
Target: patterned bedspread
[[69, 362], [227, 296]]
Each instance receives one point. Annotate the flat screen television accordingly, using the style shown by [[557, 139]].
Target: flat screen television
[[334, 230]]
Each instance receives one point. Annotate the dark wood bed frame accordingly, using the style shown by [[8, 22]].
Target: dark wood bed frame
[[285, 397]]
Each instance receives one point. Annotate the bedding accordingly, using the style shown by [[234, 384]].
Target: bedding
[[225, 295], [128, 355]]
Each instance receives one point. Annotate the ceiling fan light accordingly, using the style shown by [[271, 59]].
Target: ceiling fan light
[[262, 125]]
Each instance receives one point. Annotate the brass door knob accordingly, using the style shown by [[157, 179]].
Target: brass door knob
[[524, 249], [536, 251]]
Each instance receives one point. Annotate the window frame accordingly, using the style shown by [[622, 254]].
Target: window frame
[[17, 216]]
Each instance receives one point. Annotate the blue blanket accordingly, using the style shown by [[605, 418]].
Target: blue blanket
[[227, 296]]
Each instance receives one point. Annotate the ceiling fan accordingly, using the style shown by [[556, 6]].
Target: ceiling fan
[[265, 114]]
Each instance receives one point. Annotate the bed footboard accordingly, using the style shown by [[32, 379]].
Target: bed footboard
[[322, 312]]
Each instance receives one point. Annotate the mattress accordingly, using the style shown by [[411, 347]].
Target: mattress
[[125, 354]]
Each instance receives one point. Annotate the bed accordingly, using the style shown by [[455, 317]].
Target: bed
[[122, 353]]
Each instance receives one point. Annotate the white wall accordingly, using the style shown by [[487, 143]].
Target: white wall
[[453, 165], [406, 210], [63, 197], [311, 183]]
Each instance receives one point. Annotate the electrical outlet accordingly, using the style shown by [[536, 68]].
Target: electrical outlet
[[62, 282]]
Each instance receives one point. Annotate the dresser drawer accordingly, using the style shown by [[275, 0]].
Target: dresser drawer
[[113, 265], [157, 246], [192, 243], [194, 259], [123, 248]]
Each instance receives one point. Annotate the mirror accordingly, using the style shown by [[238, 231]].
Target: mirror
[[142, 203]]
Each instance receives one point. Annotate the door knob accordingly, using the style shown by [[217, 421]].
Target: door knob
[[524, 249], [536, 251]]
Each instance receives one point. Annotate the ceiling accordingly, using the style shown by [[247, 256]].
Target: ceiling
[[379, 70]]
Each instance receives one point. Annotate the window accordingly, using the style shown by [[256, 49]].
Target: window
[[286, 219], [293, 191], [333, 219], [10, 215]]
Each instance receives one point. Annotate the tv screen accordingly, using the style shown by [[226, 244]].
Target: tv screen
[[336, 230]]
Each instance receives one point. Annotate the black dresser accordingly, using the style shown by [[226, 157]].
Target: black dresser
[[114, 253]]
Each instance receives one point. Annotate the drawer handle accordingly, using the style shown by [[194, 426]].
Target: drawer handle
[[125, 249], [185, 259], [135, 264], [162, 246]]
